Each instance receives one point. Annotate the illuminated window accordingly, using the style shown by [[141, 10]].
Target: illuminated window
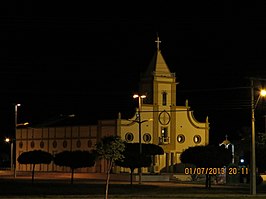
[[147, 137], [197, 139], [164, 132], [129, 137], [180, 138]]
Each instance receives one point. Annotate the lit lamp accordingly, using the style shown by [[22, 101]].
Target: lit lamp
[[140, 97], [253, 144]]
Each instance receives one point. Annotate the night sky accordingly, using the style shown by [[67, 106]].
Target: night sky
[[59, 58]]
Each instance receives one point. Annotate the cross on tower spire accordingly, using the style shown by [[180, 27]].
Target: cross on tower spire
[[158, 43]]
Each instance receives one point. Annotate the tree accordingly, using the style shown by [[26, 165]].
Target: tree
[[206, 158], [151, 149], [35, 157], [74, 160], [133, 160], [110, 148]]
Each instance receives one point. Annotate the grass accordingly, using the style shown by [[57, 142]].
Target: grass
[[63, 187], [95, 188], [22, 187]]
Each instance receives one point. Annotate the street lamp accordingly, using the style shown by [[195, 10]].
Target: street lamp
[[140, 97], [16, 115], [22, 124], [253, 144], [8, 140], [13, 167]]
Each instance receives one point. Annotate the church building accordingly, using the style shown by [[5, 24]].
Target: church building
[[158, 120]]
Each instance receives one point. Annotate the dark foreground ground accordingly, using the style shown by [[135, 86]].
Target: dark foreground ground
[[52, 186]]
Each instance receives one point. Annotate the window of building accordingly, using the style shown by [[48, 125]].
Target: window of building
[[164, 132], [147, 137], [129, 137], [20, 144], [164, 139], [65, 144], [164, 95], [78, 144], [89, 143], [180, 138], [32, 144], [197, 139], [42, 144], [54, 144]]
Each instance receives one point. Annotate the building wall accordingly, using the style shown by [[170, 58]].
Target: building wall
[[55, 140]]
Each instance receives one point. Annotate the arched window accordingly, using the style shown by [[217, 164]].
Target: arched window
[[164, 100]]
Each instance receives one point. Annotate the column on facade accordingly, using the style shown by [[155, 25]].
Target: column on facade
[[167, 162], [172, 161]]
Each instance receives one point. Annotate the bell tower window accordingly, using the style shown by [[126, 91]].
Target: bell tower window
[[164, 100]]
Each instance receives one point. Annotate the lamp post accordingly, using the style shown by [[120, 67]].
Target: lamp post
[[140, 97], [253, 143], [8, 140], [14, 140], [16, 115]]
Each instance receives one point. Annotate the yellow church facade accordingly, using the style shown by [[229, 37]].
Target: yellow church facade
[[162, 122], [158, 120]]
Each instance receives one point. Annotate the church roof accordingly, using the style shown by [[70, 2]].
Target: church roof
[[158, 66]]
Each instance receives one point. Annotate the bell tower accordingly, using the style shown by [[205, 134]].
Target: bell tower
[[158, 83]]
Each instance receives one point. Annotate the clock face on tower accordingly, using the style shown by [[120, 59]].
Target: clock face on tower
[[164, 117]]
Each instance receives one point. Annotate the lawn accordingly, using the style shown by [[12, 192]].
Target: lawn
[[95, 188], [83, 187]]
